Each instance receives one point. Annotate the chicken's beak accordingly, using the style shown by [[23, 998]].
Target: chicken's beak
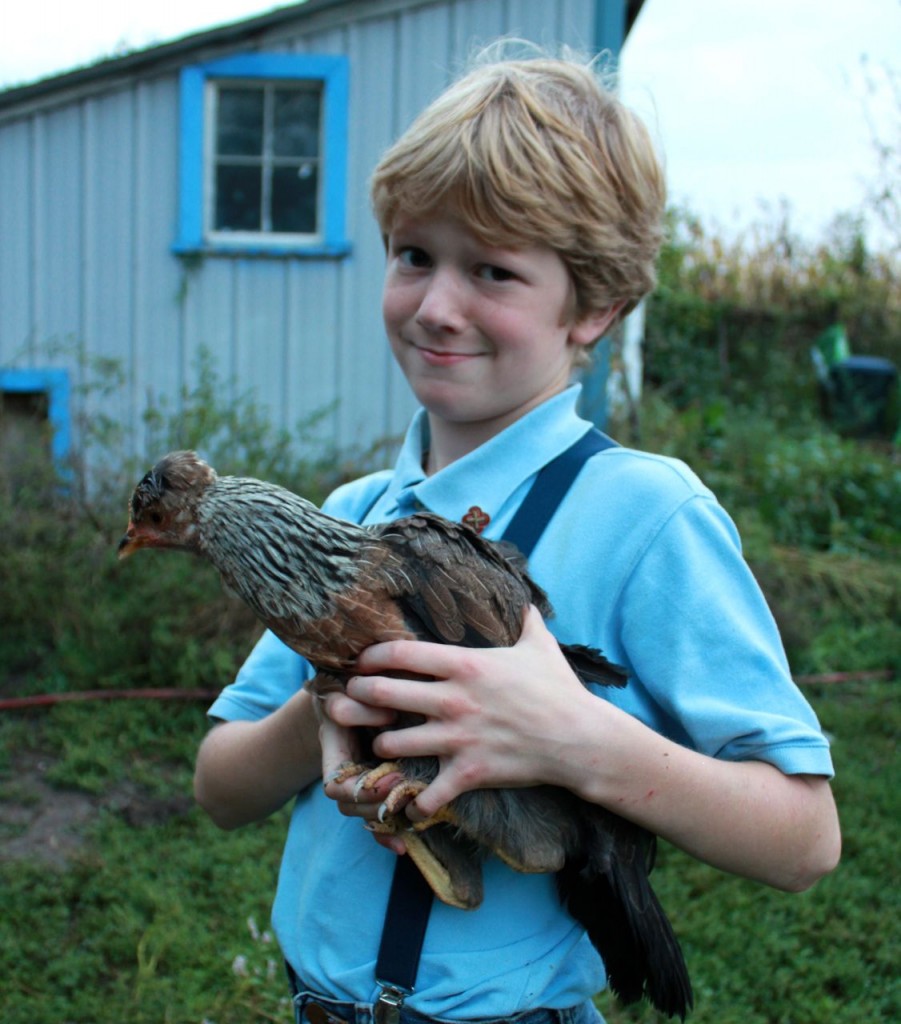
[[130, 542]]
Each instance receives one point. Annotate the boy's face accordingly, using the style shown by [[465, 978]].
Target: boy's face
[[482, 334]]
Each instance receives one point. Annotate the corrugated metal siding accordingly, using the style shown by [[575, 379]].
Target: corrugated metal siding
[[16, 266], [88, 212]]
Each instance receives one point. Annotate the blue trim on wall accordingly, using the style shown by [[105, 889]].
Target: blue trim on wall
[[337, 103], [609, 26], [55, 384], [609, 36], [190, 197], [333, 72]]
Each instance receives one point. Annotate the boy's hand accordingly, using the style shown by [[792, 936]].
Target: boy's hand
[[339, 747], [495, 717]]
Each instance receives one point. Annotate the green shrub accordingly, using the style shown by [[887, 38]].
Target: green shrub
[[737, 318], [805, 485], [818, 519], [73, 617]]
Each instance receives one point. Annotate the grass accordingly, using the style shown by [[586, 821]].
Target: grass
[[164, 922], [758, 956], [152, 916], [146, 921]]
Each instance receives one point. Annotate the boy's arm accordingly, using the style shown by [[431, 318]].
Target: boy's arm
[[246, 770], [746, 817]]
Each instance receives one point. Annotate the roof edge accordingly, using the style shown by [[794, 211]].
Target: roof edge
[[162, 53], [106, 69]]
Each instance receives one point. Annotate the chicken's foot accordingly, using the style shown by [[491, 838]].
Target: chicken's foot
[[458, 886]]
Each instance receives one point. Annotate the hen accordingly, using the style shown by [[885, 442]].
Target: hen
[[329, 588]]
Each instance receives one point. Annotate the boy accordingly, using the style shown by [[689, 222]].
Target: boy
[[522, 217]]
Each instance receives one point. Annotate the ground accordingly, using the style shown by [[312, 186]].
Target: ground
[[40, 822]]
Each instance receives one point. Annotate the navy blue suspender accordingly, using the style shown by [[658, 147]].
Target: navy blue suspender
[[549, 489], [410, 900]]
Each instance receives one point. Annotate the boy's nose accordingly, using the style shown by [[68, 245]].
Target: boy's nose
[[442, 305]]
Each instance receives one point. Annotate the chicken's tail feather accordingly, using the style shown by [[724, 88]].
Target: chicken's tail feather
[[610, 894], [591, 666]]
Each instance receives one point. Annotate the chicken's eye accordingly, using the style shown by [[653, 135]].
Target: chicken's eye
[[156, 518]]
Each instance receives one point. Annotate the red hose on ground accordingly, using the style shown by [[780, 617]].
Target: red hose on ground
[[46, 699], [174, 693], [845, 677]]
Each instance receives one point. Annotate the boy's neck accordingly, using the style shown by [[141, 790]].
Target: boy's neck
[[450, 440]]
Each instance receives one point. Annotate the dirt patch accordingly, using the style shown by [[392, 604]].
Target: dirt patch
[[41, 822]]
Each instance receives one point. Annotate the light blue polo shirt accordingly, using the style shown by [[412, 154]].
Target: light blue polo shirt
[[640, 561]]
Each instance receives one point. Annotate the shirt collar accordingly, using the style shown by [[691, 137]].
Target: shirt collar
[[492, 476]]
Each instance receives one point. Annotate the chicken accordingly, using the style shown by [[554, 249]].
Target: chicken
[[329, 588]]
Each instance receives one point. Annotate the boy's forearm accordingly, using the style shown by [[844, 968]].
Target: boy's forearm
[[747, 818], [247, 770]]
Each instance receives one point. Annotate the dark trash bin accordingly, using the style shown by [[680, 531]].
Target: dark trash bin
[[863, 396]]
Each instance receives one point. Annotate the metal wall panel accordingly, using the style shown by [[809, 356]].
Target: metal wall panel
[[312, 329], [475, 25], [59, 205], [363, 374], [16, 269], [157, 277]]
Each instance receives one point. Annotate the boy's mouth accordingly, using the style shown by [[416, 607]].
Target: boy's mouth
[[445, 357]]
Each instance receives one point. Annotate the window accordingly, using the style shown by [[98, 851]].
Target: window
[[34, 420], [263, 157], [265, 166]]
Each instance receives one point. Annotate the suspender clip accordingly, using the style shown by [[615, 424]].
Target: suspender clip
[[388, 1005]]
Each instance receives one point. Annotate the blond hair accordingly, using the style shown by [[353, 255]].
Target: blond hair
[[537, 151]]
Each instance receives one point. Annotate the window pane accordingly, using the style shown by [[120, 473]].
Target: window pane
[[239, 196], [294, 198], [239, 124], [296, 122]]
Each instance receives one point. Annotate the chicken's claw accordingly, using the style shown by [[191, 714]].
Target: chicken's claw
[[458, 888], [346, 770], [403, 793], [370, 776]]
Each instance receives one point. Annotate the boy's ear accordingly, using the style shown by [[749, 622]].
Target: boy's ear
[[590, 327]]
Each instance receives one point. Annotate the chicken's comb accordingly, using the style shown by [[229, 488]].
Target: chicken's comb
[[174, 474]]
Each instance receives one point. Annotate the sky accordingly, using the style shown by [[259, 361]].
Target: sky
[[756, 104]]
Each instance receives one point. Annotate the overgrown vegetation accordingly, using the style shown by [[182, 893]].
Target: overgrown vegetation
[[155, 916], [734, 319], [72, 617], [733, 392]]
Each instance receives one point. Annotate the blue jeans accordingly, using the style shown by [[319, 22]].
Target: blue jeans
[[310, 1008]]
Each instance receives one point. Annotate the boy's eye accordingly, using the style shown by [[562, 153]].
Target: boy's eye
[[413, 256], [490, 272]]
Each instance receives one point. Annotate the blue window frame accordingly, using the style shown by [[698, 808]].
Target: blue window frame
[[53, 385], [263, 156]]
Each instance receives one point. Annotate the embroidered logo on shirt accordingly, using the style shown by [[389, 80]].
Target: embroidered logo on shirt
[[477, 519]]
